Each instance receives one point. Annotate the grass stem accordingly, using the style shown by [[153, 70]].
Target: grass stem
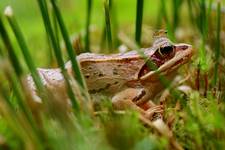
[[168, 25], [217, 51], [88, 18], [23, 46], [108, 24], [139, 16], [57, 51], [11, 52], [69, 47]]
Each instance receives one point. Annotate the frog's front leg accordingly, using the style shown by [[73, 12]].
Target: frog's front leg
[[129, 98]]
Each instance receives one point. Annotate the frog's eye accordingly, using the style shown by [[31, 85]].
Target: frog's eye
[[163, 51]]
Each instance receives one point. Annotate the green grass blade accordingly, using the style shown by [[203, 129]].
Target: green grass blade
[[69, 46], [56, 31], [19, 125], [57, 51], [21, 41], [203, 27], [168, 25], [4, 92], [115, 26], [103, 39], [159, 17], [20, 99], [18, 70], [88, 18], [108, 24], [176, 12], [17, 86], [217, 49], [190, 12], [209, 10], [11, 52], [139, 16], [50, 33]]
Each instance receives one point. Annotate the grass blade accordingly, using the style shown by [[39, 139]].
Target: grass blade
[[11, 52], [168, 25], [21, 41], [57, 51], [114, 21], [108, 24], [203, 26], [217, 51], [139, 16], [103, 39], [176, 10], [18, 70], [191, 11], [87, 35], [18, 88], [20, 99], [69, 46]]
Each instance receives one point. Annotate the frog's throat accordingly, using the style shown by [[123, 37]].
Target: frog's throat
[[180, 58]]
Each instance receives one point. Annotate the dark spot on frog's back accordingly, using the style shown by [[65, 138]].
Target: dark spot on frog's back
[[87, 76], [100, 75], [90, 67], [115, 71], [100, 89]]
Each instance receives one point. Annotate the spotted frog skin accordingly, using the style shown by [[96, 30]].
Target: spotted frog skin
[[125, 77]]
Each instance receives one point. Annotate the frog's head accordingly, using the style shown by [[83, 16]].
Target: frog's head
[[166, 57]]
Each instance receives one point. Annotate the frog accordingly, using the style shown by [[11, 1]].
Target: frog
[[125, 78]]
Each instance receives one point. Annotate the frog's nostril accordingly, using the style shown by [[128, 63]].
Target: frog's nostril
[[183, 47]]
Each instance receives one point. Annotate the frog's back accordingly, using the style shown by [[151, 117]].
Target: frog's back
[[92, 57], [109, 72]]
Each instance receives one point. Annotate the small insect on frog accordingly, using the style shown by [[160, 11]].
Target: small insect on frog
[[126, 78]]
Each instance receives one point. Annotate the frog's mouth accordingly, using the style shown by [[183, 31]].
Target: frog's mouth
[[168, 60]]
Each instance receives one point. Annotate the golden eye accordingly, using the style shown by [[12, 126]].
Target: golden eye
[[163, 51]]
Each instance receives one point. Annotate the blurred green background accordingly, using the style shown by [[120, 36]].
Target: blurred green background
[[74, 14]]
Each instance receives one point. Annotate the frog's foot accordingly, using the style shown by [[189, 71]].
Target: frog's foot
[[128, 98], [154, 113]]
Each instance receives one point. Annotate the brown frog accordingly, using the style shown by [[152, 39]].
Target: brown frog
[[125, 78]]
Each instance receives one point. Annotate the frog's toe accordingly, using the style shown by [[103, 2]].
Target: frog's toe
[[154, 112]]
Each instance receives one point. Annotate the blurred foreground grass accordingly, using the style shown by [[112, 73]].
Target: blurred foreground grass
[[196, 116]]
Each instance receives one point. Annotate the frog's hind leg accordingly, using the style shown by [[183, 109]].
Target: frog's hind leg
[[128, 98]]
